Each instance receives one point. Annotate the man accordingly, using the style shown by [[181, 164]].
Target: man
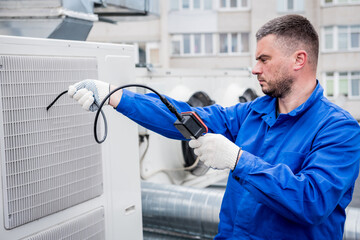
[[293, 155]]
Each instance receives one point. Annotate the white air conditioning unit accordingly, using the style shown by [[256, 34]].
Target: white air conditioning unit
[[163, 159], [56, 181]]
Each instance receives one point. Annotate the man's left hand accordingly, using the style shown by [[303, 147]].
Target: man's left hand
[[216, 151]]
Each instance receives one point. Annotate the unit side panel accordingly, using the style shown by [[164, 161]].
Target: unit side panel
[[49, 159]]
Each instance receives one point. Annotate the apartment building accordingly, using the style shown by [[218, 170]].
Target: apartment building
[[220, 34]]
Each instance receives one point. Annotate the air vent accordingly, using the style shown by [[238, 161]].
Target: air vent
[[88, 226], [49, 159]]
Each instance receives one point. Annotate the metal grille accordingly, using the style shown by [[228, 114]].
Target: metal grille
[[88, 226], [49, 159]]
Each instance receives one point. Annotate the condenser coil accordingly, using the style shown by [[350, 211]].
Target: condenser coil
[[90, 225], [49, 159]]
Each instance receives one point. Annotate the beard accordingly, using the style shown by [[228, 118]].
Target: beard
[[280, 86]]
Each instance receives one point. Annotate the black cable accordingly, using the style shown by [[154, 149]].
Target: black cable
[[52, 103], [102, 113], [162, 98]]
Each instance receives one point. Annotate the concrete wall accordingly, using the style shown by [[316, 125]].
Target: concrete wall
[[234, 21], [213, 62], [126, 31]]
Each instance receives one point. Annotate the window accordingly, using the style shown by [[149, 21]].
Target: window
[[196, 4], [244, 42], [175, 47], [330, 84], [174, 5], [341, 38], [197, 41], [188, 5], [203, 44], [186, 43], [141, 53], [207, 4], [290, 5], [355, 36], [338, 2], [192, 44], [234, 42], [185, 4], [223, 43], [329, 38], [233, 4], [244, 3], [355, 84], [342, 84], [208, 43]]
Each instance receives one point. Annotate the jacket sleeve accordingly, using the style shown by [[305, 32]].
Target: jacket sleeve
[[148, 111], [328, 173]]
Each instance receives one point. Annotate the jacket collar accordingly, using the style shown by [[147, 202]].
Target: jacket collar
[[267, 105]]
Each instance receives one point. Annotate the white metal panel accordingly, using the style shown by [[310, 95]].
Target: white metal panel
[[90, 225], [49, 160], [121, 182]]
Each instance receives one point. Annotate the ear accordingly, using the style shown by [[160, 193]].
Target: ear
[[300, 58]]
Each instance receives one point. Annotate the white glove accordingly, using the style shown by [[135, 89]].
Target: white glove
[[90, 92], [216, 151]]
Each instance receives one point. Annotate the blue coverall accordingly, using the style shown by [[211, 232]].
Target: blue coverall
[[297, 171]]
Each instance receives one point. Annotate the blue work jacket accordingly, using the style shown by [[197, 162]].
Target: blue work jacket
[[297, 171]]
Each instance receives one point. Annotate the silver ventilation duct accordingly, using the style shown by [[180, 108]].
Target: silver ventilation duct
[[352, 224], [65, 19], [60, 19], [182, 213], [176, 212]]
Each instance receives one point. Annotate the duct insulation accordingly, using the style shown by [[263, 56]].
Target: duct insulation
[[352, 224], [183, 213], [177, 212]]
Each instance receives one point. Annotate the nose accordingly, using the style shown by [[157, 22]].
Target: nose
[[256, 69]]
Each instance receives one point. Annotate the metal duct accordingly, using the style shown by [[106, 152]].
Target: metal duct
[[175, 212], [180, 212], [352, 224], [60, 19]]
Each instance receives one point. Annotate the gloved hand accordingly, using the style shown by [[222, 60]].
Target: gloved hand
[[88, 92], [216, 151]]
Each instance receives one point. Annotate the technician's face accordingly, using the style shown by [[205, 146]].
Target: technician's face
[[272, 68]]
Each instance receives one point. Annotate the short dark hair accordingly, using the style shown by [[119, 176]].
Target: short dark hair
[[294, 32]]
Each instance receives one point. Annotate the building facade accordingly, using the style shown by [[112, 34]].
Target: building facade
[[220, 34]]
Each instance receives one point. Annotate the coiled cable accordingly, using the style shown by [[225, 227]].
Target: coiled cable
[[162, 98]]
